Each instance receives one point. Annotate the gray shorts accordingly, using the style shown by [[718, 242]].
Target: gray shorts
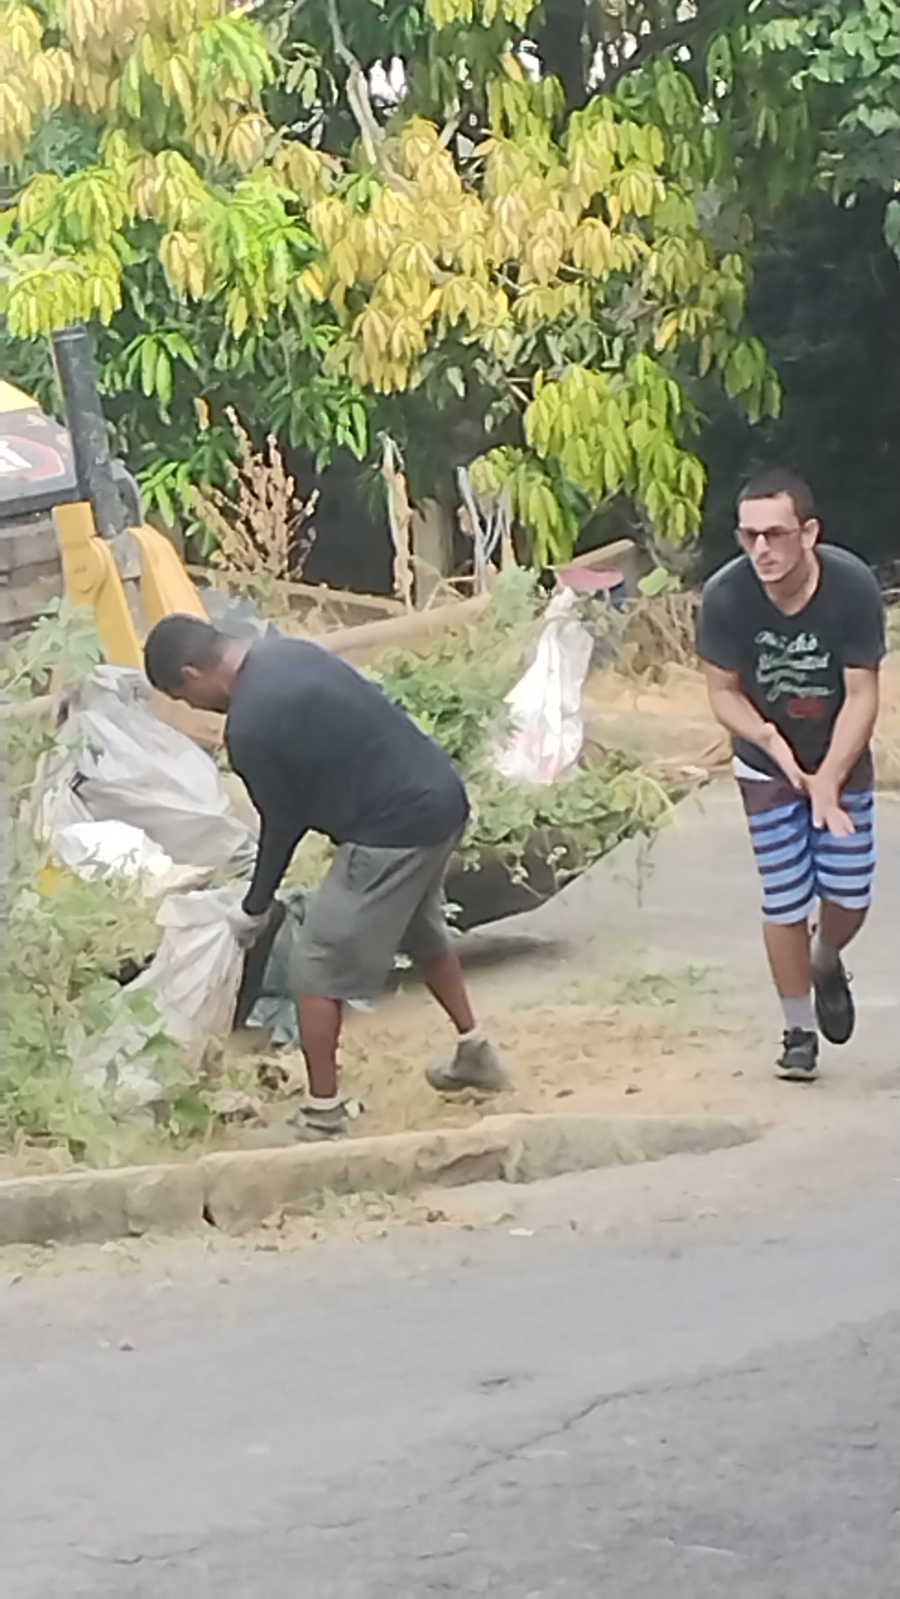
[[372, 904]]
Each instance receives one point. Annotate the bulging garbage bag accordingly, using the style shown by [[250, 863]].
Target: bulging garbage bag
[[120, 762]]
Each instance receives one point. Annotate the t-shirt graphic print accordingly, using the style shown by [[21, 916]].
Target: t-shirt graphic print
[[796, 672]]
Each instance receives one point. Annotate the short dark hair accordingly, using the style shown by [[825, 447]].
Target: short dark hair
[[179, 641], [766, 485]]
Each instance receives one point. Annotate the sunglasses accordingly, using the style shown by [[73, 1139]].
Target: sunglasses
[[748, 537]]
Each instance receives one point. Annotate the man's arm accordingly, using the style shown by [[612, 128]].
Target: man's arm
[[739, 716], [280, 827], [850, 736]]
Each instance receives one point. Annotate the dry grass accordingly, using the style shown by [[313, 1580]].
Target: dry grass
[[659, 634], [260, 527]]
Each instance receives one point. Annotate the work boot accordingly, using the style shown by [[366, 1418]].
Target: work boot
[[799, 1059], [835, 1010], [475, 1064]]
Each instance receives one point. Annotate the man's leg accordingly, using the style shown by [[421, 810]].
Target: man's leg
[[788, 949], [780, 830], [443, 977], [845, 869], [475, 1063], [320, 1031], [835, 929], [335, 967]]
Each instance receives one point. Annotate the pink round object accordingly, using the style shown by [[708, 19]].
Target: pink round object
[[591, 579]]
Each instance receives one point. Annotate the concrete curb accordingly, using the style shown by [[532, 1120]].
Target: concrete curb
[[238, 1190]]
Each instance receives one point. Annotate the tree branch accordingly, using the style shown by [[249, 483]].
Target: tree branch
[[357, 90], [664, 38], [370, 131]]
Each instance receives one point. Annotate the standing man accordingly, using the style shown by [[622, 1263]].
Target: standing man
[[321, 748], [792, 634]]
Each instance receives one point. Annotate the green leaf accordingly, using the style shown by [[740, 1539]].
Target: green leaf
[[656, 582]]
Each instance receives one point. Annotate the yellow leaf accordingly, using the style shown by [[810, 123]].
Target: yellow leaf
[[592, 246], [36, 202], [668, 330], [16, 122], [313, 282], [345, 263], [237, 313], [328, 219], [246, 144]]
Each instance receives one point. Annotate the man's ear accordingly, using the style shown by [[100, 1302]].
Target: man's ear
[[812, 532]]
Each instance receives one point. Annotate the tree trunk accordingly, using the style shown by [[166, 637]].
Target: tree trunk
[[562, 48], [432, 548]]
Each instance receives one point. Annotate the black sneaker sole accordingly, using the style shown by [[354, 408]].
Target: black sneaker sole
[[837, 1027], [797, 1074]]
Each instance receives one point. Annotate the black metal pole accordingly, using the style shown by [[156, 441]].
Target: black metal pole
[[87, 429]]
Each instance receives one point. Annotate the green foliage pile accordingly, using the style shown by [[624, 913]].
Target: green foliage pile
[[455, 691]]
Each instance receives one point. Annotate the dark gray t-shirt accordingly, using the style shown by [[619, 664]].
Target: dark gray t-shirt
[[322, 749], [792, 667]]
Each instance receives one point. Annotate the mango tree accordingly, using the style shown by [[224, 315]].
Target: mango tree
[[512, 235], [152, 195]]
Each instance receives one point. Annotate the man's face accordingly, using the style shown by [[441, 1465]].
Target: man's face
[[774, 537], [206, 688]]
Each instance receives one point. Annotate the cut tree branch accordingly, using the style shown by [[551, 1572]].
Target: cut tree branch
[[370, 131], [357, 90]]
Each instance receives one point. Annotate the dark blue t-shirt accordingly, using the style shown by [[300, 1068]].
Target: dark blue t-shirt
[[322, 749]]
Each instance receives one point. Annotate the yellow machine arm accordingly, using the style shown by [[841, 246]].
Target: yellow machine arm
[[130, 576], [91, 577]]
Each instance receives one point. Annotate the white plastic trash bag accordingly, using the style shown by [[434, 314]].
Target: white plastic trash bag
[[193, 983], [196, 973], [103, 849], [122, 763], [547, 725]]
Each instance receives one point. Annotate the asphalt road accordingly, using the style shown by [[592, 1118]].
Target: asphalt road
[[712, 1412], [695, 1394]]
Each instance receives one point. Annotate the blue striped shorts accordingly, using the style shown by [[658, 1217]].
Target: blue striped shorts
[[800, 864]]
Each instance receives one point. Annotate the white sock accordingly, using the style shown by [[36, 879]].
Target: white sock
[[799, 1013], [476, 1036], [312, 1102], [824, 956]]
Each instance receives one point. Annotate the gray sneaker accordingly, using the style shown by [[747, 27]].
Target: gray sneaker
[[475, 1064]]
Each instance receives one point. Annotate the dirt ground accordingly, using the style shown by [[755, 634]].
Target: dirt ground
[[643, 1042], [647, 1043]]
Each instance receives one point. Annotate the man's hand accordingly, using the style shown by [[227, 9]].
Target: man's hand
[[248, 929], [778, 748], [827, 810]]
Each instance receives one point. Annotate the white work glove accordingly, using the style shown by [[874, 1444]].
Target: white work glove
[[248, 929]]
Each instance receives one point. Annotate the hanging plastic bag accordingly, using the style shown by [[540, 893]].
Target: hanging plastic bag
[[122, 763], [547, 726]]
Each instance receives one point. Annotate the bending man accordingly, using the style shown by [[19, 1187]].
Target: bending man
[[792, 634], [320, 748]]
